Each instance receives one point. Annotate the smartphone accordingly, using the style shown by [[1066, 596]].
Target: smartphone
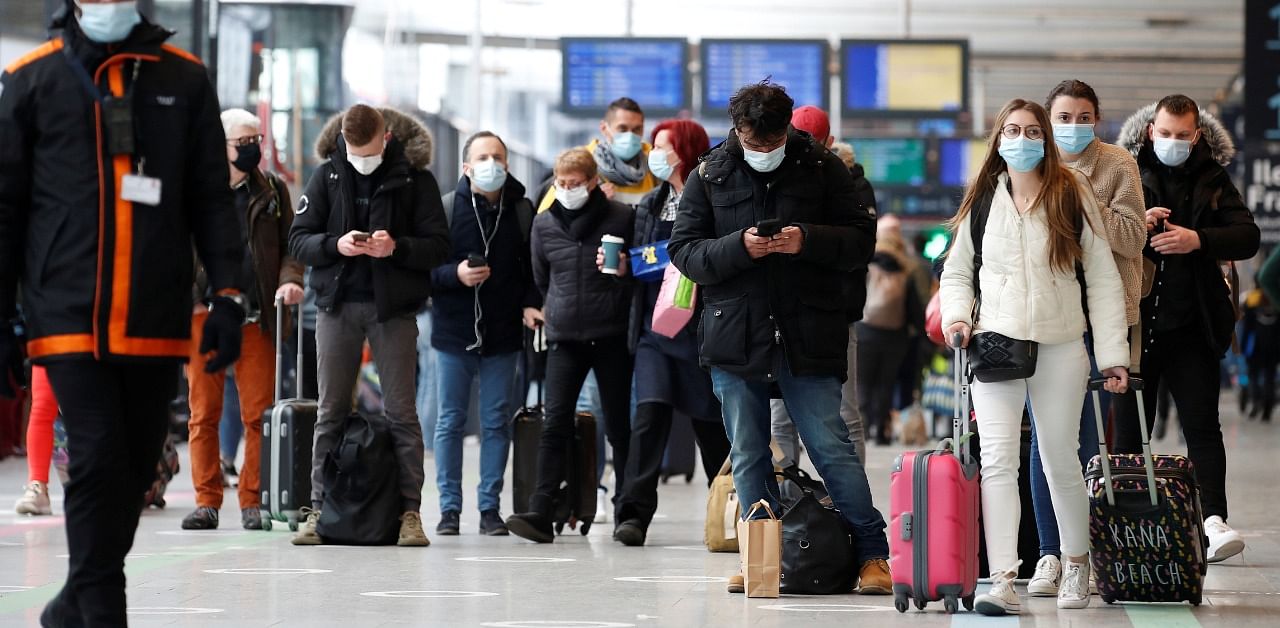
[[768, 227], [360, 236], [476, 260], [1160, 225]]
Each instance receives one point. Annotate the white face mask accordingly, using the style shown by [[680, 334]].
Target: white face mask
[[365, 165], [1170, 151], [108, 22], [572, 198], [765, 162]]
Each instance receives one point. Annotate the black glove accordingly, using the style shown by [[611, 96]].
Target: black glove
[[221, 333], [12, 376]]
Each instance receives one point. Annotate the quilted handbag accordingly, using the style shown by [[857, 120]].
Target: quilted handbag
[[998, 358]]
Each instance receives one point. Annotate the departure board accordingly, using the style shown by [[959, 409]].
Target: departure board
[[798, 65], [652, 71], [959, 160], [891, 161], [904, 78]]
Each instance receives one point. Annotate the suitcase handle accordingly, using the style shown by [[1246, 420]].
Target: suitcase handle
[[1148, 461], [279, 392], [960, 412]]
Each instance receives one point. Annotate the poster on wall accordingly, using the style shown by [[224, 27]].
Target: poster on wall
[[1262, 115]]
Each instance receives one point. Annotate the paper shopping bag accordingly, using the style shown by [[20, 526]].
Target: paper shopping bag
[[676, 300], [760, 544]]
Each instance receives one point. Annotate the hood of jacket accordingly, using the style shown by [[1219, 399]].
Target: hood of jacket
[[1133, 135], [408, 131]]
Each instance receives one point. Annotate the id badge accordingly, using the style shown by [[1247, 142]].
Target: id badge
[[117, 114], [140, 189]]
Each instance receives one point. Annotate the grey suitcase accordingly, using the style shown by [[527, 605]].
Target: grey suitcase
[[288, 427]]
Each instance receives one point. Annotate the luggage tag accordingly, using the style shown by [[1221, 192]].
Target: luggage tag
[[139, 188]]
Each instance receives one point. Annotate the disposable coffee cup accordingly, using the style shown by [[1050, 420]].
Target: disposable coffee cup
[[612, 246]]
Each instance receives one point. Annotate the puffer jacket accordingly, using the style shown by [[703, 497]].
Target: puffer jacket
[[1023, 297], [580, 303], [1219, 216]]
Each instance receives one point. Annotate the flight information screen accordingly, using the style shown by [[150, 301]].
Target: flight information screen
[[959, 160], [798, 65], [891, 161], [907, 78], [651, 71]]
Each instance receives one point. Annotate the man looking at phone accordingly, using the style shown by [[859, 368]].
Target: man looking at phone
[[371, 227], [482, 295], [774, 305]]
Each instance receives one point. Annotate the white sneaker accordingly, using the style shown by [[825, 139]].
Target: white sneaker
[[1223, 541], [1074, 592], [1000, 599], [604, 507], [34, 500], [1044, 583]]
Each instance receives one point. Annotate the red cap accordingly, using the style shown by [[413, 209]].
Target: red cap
[[813, 121]]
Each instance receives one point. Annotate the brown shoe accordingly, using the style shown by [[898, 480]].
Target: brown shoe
[[737, 583], [874, 578]]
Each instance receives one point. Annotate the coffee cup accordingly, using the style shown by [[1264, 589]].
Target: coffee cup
[[612, 246]]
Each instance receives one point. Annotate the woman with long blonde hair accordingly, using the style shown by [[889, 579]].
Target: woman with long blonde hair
[[1037, 221]]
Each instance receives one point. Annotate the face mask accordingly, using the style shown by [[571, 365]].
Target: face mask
[[1171, 152], [247, 157], [365, 165], [488, 175], [572, 198], [1022, 154], [625, 145], [658, 164], [107, 23], [1073, 138], [765, 162]]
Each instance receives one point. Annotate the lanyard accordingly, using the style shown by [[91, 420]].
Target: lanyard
[[87, 81]]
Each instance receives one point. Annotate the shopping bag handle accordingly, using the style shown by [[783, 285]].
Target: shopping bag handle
[[757, 506]]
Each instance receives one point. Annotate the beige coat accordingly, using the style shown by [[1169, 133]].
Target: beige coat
[[1113, 174]]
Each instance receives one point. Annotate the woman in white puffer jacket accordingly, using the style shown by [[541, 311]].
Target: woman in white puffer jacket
[[1040, 225]]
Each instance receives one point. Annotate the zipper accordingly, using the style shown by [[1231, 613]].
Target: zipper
[[920, 525]]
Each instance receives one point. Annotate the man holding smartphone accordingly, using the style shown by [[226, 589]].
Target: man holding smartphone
[[484, 291], [371, 228]]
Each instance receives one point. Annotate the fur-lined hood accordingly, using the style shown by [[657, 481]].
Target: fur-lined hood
[[408, 131], [1134, 134]]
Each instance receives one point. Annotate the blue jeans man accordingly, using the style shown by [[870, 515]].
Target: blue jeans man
[[814, 405], [455, 373]]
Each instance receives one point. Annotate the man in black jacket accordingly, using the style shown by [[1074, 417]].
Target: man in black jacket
[[112, 163], [371, 227], [482, 293], [773, 305], [1196, 217]]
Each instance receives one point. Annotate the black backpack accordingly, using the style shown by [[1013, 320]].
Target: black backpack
[[362, 504]]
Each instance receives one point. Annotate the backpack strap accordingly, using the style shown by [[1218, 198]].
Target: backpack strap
[[524, 213], [978, 229]]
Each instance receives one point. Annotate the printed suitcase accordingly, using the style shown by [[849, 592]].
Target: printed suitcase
[[1146, 526], [934, 505], [288, 427]]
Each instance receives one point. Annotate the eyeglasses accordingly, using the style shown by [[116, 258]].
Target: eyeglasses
[[1012, 131], [246, 140]]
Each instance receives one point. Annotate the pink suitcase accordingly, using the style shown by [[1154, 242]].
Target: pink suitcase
[[934, 506]]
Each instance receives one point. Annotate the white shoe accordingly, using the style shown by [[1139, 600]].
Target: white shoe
[[1223, 541], [1000, 599], [1044, 583], [1074, 592], [604, 507], [34, 500]]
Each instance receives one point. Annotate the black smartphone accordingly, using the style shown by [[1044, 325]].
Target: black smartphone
[[768, 227], [360, 237], [476, 260], [1160, 225]]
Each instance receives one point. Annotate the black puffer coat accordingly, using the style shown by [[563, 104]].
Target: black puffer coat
[[796, 302], [580, 303]]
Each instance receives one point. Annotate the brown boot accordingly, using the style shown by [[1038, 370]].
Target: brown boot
[[737, 583], [874, 578]]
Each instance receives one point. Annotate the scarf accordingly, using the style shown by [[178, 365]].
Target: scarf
[[617, 171]]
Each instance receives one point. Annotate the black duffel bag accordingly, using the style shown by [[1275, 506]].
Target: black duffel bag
[[818, 554], [362, 504]]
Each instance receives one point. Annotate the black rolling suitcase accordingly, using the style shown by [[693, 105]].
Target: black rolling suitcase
[[288, 427], [576, 500], [680, 458], [526, 431]]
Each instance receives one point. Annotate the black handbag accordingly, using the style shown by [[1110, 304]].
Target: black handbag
[[998, 358], [818, 555], [362, 503]]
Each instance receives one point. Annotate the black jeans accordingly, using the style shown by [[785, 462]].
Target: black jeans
[[649, 435], [567, 366], [881, 352], [116, 417], [1183, 360], [1262, 384]]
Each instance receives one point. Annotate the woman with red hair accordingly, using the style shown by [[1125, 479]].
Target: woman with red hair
[[667, 375]]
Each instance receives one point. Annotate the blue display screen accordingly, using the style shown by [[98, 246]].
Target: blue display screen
[[799, 66], [651, 71], [910, 77]]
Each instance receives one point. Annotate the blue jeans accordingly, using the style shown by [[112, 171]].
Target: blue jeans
[[230, 427], [1046, 519], [814, 405], [427, 405], [455, 374]]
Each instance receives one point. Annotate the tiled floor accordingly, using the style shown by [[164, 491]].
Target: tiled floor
[[231, 577]]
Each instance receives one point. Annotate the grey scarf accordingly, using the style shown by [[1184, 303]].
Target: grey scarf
[[615, 170]]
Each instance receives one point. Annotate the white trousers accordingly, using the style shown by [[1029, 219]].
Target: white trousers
[[1055, 391]]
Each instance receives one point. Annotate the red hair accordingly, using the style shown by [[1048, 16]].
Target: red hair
[[689, 140]]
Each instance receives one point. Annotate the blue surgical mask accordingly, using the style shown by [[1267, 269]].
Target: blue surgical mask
[[1073, 138], [658, 164], [625, 145], [108, 22], [489, 175], [764, 162], [1171, 152], [1022, 154]]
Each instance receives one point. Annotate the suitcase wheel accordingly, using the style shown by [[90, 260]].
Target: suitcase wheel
[[559, 528], [293, 526], [901, 602], [921, 603], [688, 478], [266, 525], [950, 604], [1196, 599], [586, 527], [968, 601], [1108, 599], [159, 503]]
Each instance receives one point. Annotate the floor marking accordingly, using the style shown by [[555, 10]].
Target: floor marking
[[13, 588], [825, 608], [267, 571], [429, 594], [673, 579], [540, 623], [685, 548], [171, 610], [203, 532], [515, 559], [1161, 616]]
